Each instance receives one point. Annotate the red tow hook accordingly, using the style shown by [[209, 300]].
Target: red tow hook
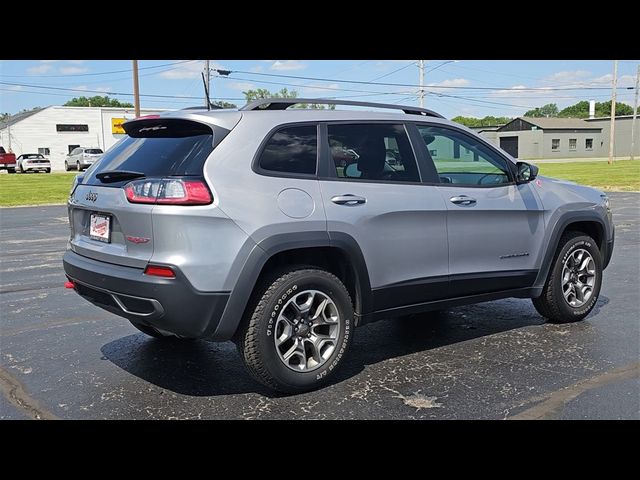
[[69, 284]]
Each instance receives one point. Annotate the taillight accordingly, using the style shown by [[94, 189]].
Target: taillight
[[168, 191], [159, 271]]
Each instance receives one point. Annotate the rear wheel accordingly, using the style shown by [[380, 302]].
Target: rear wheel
[[66, 166], [155, 333], [298, 331], [78, 166], [574, 282], [22, 170], [48, 170]]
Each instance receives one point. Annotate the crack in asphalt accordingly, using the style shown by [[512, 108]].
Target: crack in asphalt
[[15, 393], [556, 401]]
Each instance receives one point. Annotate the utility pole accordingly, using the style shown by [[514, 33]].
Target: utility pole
[[207, 82], [613, 111], [635, 113], [421, 94], [136, 89]]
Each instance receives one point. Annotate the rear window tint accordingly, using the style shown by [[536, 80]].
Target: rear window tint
[[158, 150], [291, 150]]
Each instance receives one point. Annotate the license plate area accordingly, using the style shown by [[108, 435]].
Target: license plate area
[[100, 227]]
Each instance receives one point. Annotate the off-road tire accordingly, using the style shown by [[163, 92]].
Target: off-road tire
[[255, 341], [551, 304]]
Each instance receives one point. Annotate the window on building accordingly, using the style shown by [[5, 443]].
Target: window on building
[[588, 143], [555, 144], [43, 150], [72, 127], [372, 152], [291, 150], [573, 143], [481, 167]]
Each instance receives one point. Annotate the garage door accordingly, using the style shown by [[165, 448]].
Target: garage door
[[510, 145]]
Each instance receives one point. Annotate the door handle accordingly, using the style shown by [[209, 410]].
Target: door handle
[[463, 200], [349, 200]]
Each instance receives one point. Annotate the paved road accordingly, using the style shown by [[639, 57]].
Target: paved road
[[61, 357]]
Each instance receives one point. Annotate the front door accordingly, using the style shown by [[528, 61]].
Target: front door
[[494, 226], [374, 195]]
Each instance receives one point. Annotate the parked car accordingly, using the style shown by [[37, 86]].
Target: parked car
[[239, 225], [33, 162], [7, 161], [81, 158]]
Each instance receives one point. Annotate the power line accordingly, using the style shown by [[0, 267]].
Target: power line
[[395, 71], [99, 73], [456, 87]]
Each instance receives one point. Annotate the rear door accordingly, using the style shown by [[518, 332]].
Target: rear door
[[155, 149], [373, 192], [495, 227]]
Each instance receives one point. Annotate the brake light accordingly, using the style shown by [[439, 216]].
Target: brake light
[[159, 271], [168, 191]]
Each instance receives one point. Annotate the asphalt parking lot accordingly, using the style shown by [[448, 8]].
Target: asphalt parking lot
[[61, 357]]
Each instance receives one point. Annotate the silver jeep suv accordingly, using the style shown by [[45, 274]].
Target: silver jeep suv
[[283, 229]]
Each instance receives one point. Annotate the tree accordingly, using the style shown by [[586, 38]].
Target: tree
[[481, 122], [259, 93], [548, 110], [603, 109], [224, 104], [4, 116], [97, 101]]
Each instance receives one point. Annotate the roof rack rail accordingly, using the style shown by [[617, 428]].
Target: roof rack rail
[[204, 107], [284, 103]]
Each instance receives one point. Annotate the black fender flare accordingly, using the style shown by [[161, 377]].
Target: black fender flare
[[270, 246], [554, 238]]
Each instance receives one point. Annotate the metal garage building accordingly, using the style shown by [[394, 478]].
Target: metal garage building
[[55, 131], [547, 138]]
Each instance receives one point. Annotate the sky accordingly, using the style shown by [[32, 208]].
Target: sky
[[452, 87]]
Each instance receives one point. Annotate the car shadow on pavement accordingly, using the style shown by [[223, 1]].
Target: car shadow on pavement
[[200, 368]]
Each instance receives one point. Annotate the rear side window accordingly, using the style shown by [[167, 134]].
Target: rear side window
[[373, 152], [93, 150], [292, 150], [158, 149]]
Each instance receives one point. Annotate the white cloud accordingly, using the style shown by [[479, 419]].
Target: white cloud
[[287, 65], [72, 70], [39, 69], [606, 80], [103, 89], [452, 82], [316, 89], [189, 70], [567, 76], [98, 89], [76, 62], [81, 87], [257, 69], [242, 86], [16, 88]]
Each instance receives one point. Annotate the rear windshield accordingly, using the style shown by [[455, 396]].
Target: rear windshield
[[160, 149], [92, 150], [35, 155]]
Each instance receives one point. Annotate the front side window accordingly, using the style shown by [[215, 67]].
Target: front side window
[[462, 160], [373, 152], [291, 150], [573, 143], [555, 144]]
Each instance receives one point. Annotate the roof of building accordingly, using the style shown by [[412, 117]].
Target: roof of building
[[558, 123], [20, 116], [618, 117]]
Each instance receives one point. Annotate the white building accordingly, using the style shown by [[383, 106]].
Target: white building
[[55, 131]]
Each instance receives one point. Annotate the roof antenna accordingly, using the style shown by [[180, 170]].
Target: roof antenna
[[206, 92]]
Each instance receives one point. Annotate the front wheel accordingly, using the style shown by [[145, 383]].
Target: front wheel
[[574, 281], [298, 331], [78, 166]]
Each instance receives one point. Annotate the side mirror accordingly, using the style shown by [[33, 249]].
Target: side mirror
[[526, 172]]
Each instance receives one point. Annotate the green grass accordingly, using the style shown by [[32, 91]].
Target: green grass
[[34, 188], [623, 176]]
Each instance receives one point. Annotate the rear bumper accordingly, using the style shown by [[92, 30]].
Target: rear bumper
[[7, 165], [168, 304]]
